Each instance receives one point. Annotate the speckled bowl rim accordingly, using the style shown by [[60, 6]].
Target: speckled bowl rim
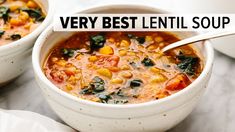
[[12, 47], [40, 75]]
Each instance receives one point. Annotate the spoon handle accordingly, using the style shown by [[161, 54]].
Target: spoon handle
[[200, 37]]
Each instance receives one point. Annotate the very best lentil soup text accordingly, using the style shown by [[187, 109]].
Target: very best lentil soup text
[[18, 18], [121, 67]]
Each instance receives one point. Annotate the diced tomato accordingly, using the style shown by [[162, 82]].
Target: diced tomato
[[70, 70], [179, 82], [58, 76], [107, 61]]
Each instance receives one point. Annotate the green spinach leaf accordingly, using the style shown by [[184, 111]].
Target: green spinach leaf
[[97, 85], [187, 63], [104, 98], [34, 13], [15, 36], [136, 83], [67, 52], [97, 42], [1, 33], [141, 40], [4, 13], [147, 62]]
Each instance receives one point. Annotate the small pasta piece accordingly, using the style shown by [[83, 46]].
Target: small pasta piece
[[61, 62], [69, 87], [24, 16], [122, 52], [105, 72], [32, 4], [152, 47], [79, 56], [14, 7], [124, 43], [131, 53], [125, 67], [114, 69], [116, 81], [93, 58], [127, 74], [28, 26], [16, 22], [158, 78], [155, 70], [95, 99], [106, 50]]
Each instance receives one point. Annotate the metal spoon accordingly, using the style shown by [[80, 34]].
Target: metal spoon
[[197, 38]]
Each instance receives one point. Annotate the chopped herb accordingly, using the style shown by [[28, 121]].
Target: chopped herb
[[67, 52], [96, 86], [136, 83], [4, 13], [141, 40], [34, 13], [87, 90], [147, 62], [97, 42], [104, 98], [15, 36], [187, 64], [1, 33], [40, 19]]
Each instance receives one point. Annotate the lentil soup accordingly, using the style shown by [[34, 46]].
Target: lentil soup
[[18, 18], [121, 67]]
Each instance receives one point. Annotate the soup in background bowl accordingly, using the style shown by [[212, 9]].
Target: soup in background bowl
[[18, 19], [21, 21], [51, 54]]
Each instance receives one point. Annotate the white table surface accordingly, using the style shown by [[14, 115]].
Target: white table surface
[[214, 113]]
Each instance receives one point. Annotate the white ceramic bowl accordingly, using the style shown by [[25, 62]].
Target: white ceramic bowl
[[88, 116], [14, 57]]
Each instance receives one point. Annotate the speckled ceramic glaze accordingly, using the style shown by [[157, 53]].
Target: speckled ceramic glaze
[[14, 56], [87, 116]]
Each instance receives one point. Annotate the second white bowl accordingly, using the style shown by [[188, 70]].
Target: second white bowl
[[15, 57]]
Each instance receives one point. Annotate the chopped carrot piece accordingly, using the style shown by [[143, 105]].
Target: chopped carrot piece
[[180, 81]]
